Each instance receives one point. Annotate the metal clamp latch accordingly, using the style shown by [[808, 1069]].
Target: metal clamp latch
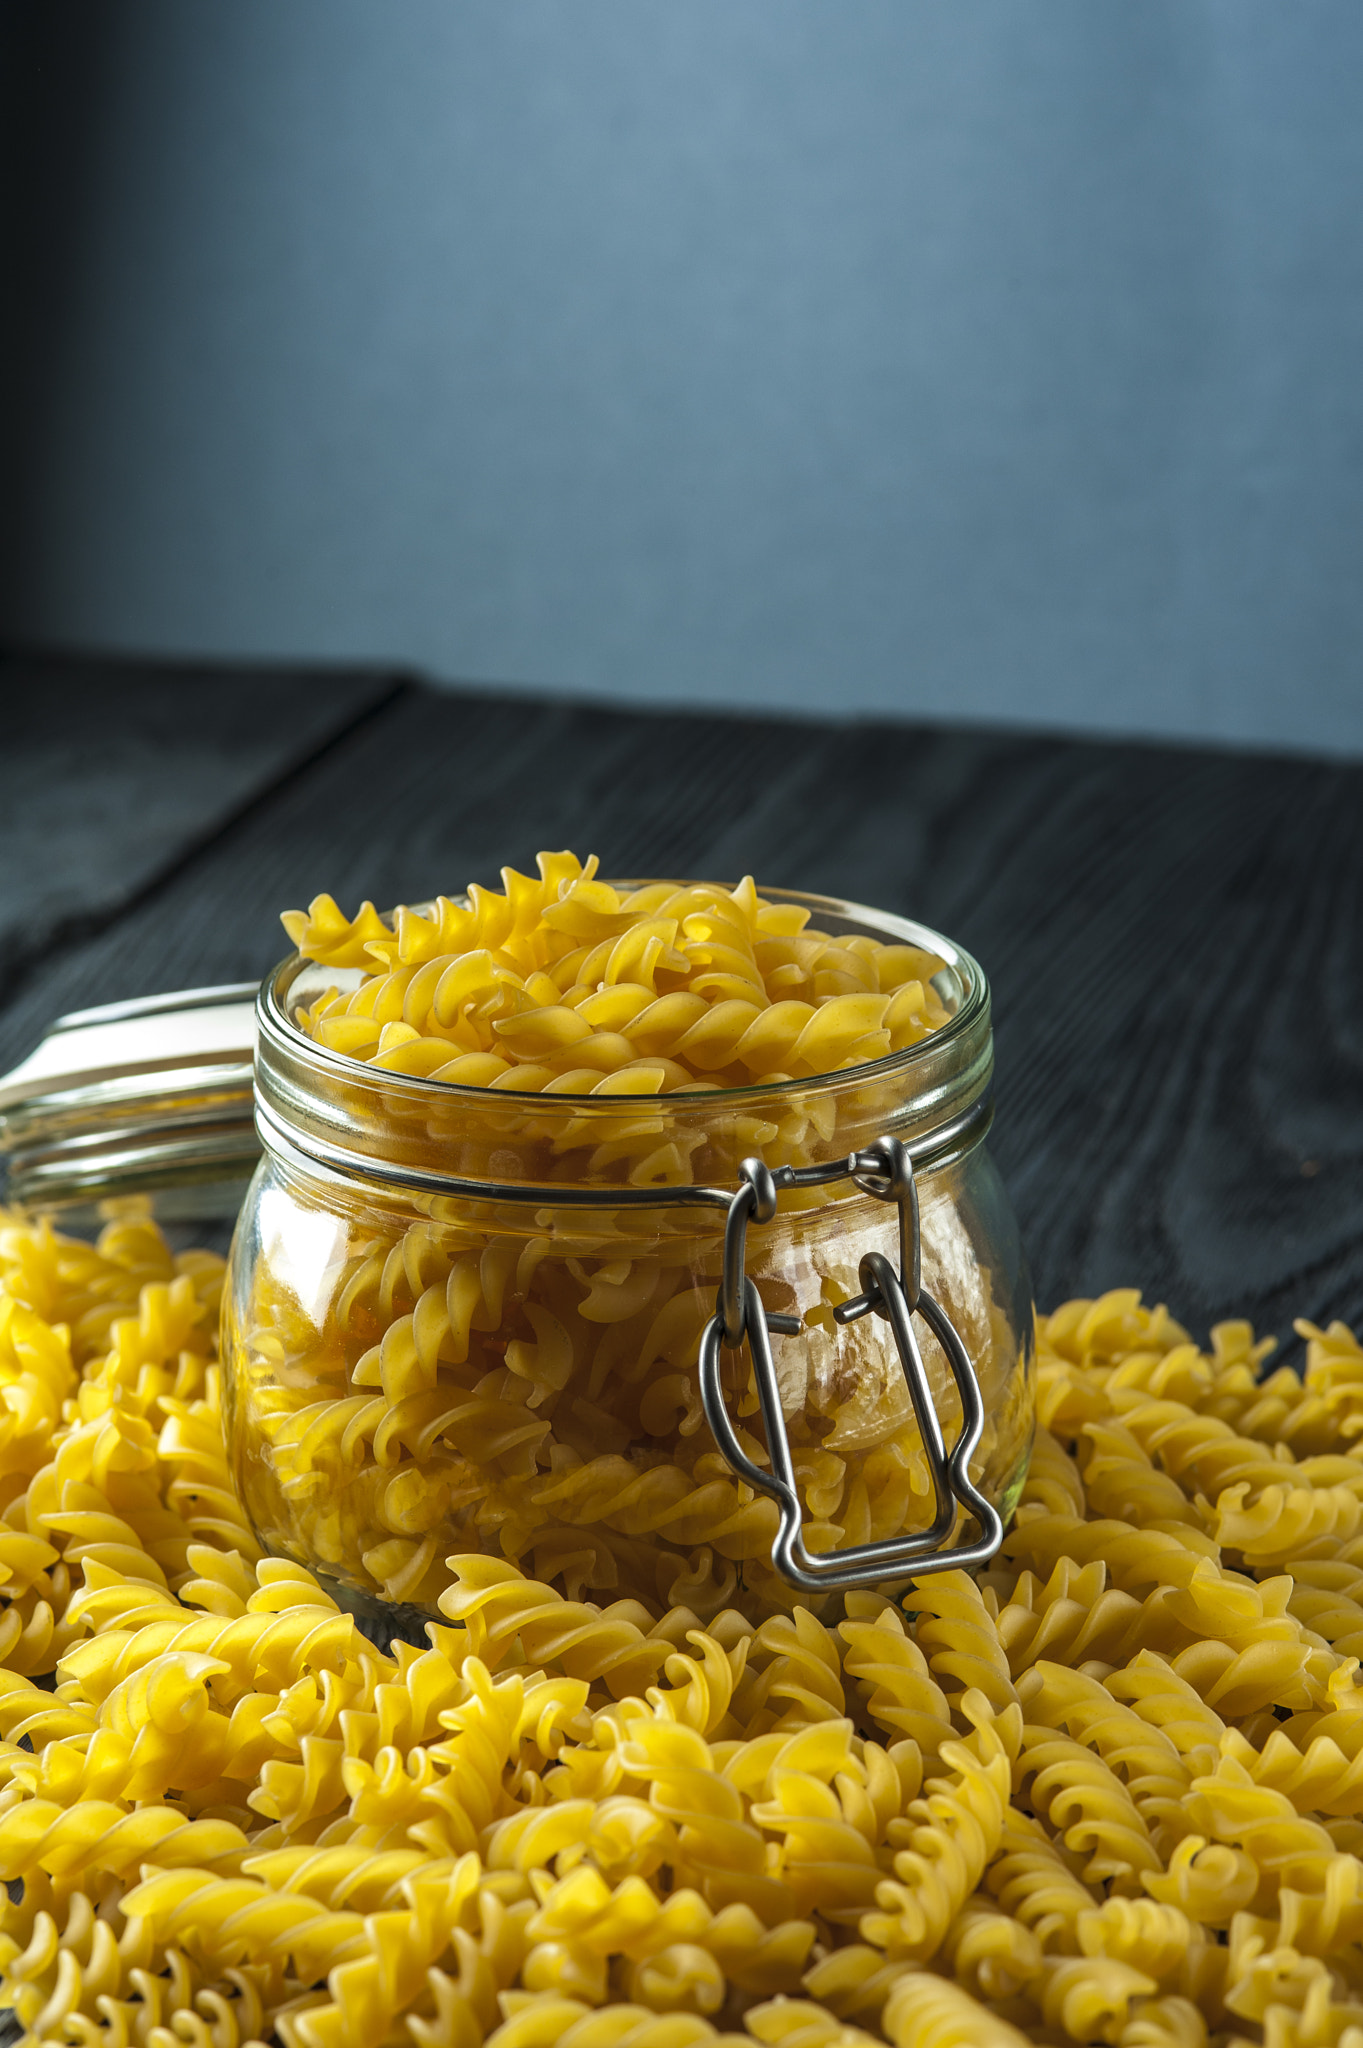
[[885, 1170]]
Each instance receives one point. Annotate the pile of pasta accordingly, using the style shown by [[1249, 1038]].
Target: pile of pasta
[[564, 985], [1109, 1791]]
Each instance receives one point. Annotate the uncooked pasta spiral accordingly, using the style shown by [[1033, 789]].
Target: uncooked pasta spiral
[[792, 1665], [1087, 1806], [101, 1835], [992, 1954], [796, 2023], [1074, 1616], [545, 2019], [902, 1696], [953, 1835], [955, 1630], [1090, 2000], [1281, 1523], [1160, 1941], [500, 1610], [1036, 1885], [1145, 1760], [1054, 1483], [582, 1915], [827, 1805], [930, 2012]]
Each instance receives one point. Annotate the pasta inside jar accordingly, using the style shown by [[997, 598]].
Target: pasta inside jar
[[420, 1364]]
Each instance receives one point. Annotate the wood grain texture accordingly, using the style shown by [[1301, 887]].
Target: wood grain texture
[[107, 778], [1175, 940]]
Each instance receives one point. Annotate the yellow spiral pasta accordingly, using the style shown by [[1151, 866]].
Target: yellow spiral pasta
[[459, 1376], [1110, 1791], [563, 983], [924, 2011]]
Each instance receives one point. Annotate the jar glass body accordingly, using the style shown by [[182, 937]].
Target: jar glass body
[[414, 1372]]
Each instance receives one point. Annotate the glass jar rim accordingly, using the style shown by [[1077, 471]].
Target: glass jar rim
[[351, 1118], [971, 1011]]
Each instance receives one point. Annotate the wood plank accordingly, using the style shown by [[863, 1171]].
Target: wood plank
[[109, 775], [1174, 938]]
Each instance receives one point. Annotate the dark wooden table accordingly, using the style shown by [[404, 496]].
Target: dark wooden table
[[1175, 937]]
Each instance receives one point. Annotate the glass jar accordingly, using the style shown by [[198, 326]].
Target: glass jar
[[461, 1319]]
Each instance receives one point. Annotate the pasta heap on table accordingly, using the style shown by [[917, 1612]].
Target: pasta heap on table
[[1110, 1791]]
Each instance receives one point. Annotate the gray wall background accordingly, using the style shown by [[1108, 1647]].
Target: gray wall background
[[999, 360]]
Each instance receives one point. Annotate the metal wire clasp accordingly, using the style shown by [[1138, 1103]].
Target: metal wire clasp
[[884, 1170]]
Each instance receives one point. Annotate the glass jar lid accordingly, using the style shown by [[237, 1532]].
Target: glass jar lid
[[151, 1098]]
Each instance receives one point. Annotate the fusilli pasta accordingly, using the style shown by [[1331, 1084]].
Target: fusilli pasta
[[1104, 1793], [412, 1374]]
